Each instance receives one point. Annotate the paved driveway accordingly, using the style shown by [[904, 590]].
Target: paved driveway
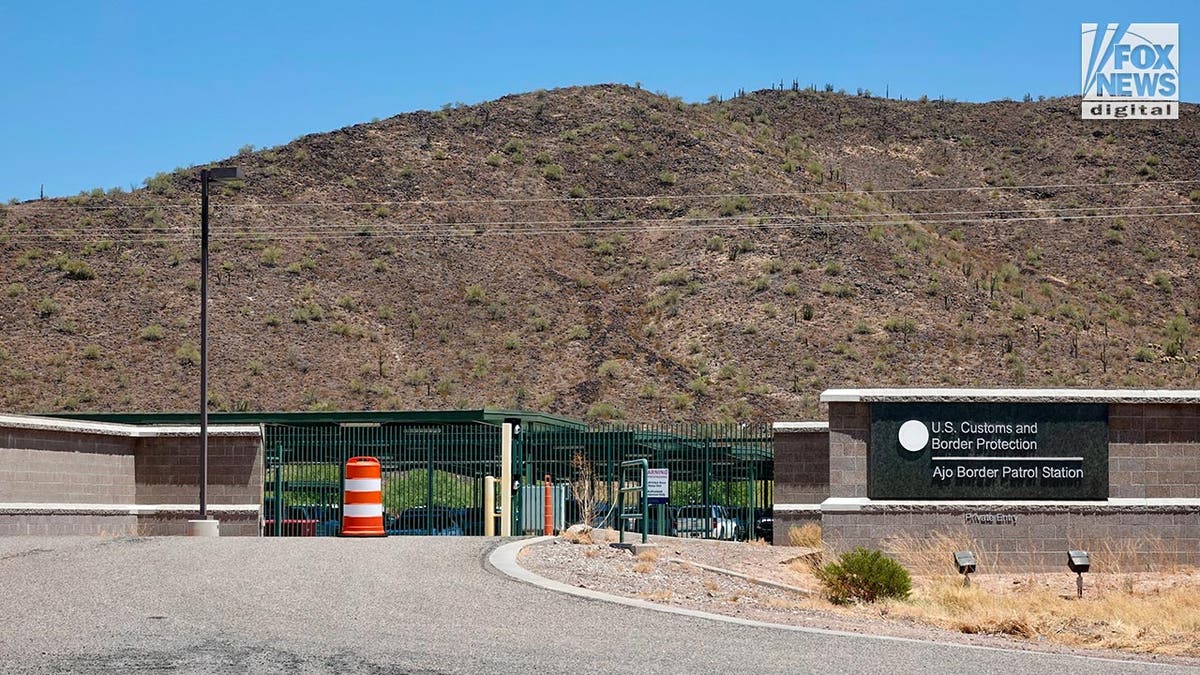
[[410, 604]]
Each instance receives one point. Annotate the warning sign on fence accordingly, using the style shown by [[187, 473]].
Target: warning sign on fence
[[658, 486]]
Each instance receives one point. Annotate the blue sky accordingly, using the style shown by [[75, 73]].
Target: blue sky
[[104, 94]]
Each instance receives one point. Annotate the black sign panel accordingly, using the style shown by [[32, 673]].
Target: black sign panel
[[988, 451]]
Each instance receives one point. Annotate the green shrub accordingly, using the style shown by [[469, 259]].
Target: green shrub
[[475, 295], [864, 575], [610, 368], [310, 311], [604, 410], [271, 255], [1144, 355], [152, 333], [188, 354], [552, 172], [47, 307], [1163, 282]]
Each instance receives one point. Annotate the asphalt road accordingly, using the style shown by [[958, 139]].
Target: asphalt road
[[403, 604]]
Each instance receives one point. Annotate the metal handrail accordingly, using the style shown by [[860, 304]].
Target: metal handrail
[[644, 465]]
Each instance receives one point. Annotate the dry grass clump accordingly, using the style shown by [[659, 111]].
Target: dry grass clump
[[645, 561], [1124, 605], [649, 555], [807, 535], [933, 554], [1163, 622]]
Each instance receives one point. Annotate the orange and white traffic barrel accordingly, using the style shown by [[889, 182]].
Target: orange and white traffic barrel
[[362, 498]]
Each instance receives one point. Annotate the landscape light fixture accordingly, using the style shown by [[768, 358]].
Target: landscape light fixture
[[220, 173], [965, 560], [1078, 562]]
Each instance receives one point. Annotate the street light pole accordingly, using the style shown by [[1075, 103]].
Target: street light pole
[[206, 176]]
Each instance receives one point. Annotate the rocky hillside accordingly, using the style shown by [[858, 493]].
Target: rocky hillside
[[607, 252]]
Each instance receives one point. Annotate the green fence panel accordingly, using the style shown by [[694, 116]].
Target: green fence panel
[[432, 475], [433, 472]]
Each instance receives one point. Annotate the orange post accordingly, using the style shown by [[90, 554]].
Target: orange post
[[362, 498], [547, 508]]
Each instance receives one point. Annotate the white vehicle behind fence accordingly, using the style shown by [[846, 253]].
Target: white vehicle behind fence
[[705, 521]]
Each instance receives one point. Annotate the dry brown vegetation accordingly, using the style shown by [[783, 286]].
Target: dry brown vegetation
[[1124, 607], [390, 265]]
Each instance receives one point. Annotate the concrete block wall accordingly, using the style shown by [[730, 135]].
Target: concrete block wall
[[1154, 451], [167, 470], [60, 524], [43, 466], [849, 435], [1037, 539], [801, 463], [72, 477]]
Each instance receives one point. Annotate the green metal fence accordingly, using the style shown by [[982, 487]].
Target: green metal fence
[[433, 473], [730, 466]]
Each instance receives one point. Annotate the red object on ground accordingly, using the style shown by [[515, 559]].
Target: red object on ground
[[362, 498], [292, 527]]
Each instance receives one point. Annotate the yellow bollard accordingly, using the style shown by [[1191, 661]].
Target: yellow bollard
[[489, 506]]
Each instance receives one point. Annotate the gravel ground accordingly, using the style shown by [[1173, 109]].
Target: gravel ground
[[603, 567]]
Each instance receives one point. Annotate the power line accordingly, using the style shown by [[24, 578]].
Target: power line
[[461, 230], [609, 198], [816, 219]]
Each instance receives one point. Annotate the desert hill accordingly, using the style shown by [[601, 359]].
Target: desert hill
[[608, 252]]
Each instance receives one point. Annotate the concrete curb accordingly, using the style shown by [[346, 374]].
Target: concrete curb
[[504, 559]]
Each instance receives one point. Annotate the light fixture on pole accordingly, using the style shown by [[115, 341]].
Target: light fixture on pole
[[207, 176], [965, 561], [1078, 562]]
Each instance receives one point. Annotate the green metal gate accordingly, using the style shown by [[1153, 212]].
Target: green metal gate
[[432, 475], [433, 472], [729, 466]]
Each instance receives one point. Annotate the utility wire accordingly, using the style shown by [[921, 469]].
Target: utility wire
[[927, 217], [610, 198], [409, 230]]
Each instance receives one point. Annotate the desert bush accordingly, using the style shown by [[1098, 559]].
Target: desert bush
[[864, 575], [72, 268], [610, 368], [604, 411], [475, 295], [310, 311], [152, 333], [47, 307], [188, 354], [271, 255]]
